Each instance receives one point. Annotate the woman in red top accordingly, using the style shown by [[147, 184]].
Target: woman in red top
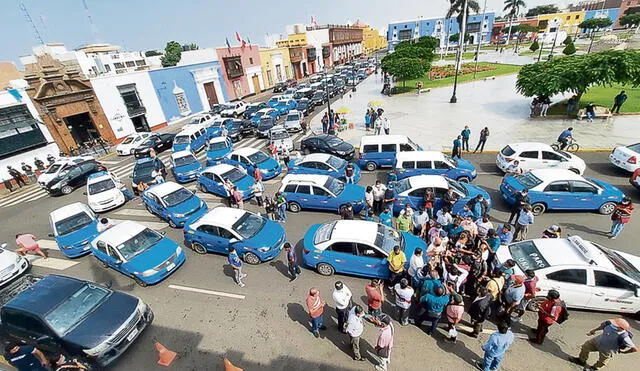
[[548, 314], [429, 199], [620, 217]]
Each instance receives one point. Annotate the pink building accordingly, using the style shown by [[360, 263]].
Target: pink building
[[241, 70]]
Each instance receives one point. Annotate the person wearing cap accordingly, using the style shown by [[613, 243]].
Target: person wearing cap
[[355, 328], [386, 217], [25, 357], [620, 217], [432, 306], [346, 213], [615, 338], [514, 294], [552, 232], [397, 260], [548, 314], [315, 308], [404, 223], [384, 343], [375, 297], [342, 298], [454, 313], [403, 293], [530, 289]]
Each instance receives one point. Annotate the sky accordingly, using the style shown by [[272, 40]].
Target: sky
[[149, 24]]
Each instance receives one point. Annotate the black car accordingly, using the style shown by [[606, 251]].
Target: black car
[[319, 98], [246, 127], [74, 176], [264, 125], [330, 144], [234, 129], [65, 315], [305, 106], [216, 109], [253, 108], [159, 142], [143, 169], [279, 87]]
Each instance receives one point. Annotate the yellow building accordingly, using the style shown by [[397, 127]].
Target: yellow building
[[276, 65], [371, 39], [567, 22], [296, 39]]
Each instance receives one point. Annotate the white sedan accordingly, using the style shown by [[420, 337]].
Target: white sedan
[[103, 192], [587, 275], [130, 143], [532, 155], [627, 158], [11, 265]]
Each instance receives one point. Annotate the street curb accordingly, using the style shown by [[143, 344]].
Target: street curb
[[585, 150]]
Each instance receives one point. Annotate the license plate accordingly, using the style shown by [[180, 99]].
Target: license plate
[[171, 266], [132, 335]]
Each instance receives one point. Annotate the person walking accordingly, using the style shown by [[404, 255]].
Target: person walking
[[342, 298], [281, 206], [292, 261], [620, 217], [457, 147], [349, 172], [397, 260], [454, 312], [379, 190], [258, 191], [28, 171], [495, 348], [270, 208], [27, 242], [384, 343], [17, 176], [386, 125], [615, 338], [375, 297], [355, 328], [257, 174], [618, 101], [524, 221], [548, 313], [315, 308], [522, 199], [25, 357], [325, 123], [236, 265], [546, 103], [465, 134], [403, 293], [480, 310], [484, 134]]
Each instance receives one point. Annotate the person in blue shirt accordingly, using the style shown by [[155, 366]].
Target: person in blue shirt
[[465, 212], [505, 234], [466, 133], [431, 282], [564, 137], [236, 264], [457, 147], [385, 217], [432, 307], [25, 357], [495, 348], [370, 217], [507, 269]]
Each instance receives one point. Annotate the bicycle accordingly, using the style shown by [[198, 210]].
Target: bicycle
[[572, 146]]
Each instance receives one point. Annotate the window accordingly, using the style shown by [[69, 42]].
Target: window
[[578, 276], [568, 17], [406, 147], [141, 62], [107, 68], [250, 60], [577, 16], [439, 192], [368, 251], [130, 63], [370, 148], [233, 65], [309, 165], [578, 186], [417, 192], [208, 229], [423, 164], [408, 165], [118, 65], [388, 148], [291, 188], [305, 189], [529, 154], [320, 192], [322, 166], [343, 247], [561, 186], [16, 319], [606, 279], [551, 156], [441, 165], [226, 234]]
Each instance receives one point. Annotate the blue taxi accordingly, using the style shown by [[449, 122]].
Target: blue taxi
[[355, 247], [74, 227], [322, 164], [138, 252], [212, 180], [174, 203], [284, 106], [255, 238], [218, 150], [250, 158], [561, 189], [433, 163], [185, 166], [265, 112], [320, 192]]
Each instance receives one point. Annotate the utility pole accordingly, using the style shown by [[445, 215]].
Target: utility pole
[[463, 30], [484, 12], [555, 39]]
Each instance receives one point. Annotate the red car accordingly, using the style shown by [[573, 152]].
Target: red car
[[291, 83], [634, 180]]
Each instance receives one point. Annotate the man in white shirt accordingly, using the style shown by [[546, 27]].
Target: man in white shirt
[[403, 292], [378, 196], [443, 216], [104, 224], [355, 328], [342, 298], [416, 262]]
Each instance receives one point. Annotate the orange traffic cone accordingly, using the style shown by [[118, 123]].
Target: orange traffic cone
[[166, 356], [228, 366]]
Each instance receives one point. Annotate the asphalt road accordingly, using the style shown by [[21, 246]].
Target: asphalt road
[[267, 328]]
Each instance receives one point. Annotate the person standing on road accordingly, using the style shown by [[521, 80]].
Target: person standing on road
[[572, 103], [523, 222], [258, 190], [27, 242], [25, 357], [522, 199], [618, 101], [368, 201], [238, 197], [355, 328], [389, 197], [270, 208], [484, 133], [496, 347], [17, 176], [454, 312], [375, 297], [615, 338], [457, 147], [386, 125], [466, 133], [315, 308], [384, 344], [378, 196], [346, 213], [404, 223], [620, 217], [403, 293], [292, 261], [416, 262], [480, 310], [546, 103], [342, 298], [325, 123], [257, 174], [236, 265], [281, 206], [548, 314], [349, 172], [433, 304], [39, 164], [397, 260], [367, 119], [28, 170]]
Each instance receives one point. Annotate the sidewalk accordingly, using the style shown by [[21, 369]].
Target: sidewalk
[[431, 121]]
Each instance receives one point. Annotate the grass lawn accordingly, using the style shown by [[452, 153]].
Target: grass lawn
[[501, 69], [603, 96], [529, 52], [452, 56]]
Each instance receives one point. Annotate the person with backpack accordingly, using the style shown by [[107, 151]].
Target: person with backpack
[[615, 338], [552, 310], [620, 217]]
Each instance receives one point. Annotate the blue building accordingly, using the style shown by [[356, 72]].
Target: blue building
[[183, 90], [479, 30], [611, 13]]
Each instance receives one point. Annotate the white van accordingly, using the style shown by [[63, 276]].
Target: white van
[[380, 150]]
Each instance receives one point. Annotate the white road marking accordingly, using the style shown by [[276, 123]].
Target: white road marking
[[491, 173], [48, 244], [133, 212], [33, 198], [51, 263], [110, 162], [21, 196], [208, 292], [152, 225]]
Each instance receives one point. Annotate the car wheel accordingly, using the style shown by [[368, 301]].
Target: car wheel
[[575, 171], [66, 190], [202, 188], [294, 207], [464, 179], [535, 303], [538, 208], [172, 224], [251, 258], [371, 166], [197, 247], [307, 151], [555, 147], [140, 282], [607, 208], [325, 269]]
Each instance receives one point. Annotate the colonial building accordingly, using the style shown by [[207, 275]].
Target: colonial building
[[498, 26], [372, 40], [335, 44], [241, 70], [276, 65]]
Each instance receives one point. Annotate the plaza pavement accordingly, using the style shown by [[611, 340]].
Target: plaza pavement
[[431, 121]]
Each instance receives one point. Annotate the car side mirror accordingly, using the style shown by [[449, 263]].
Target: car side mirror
[[118, 261], [233, 240], [50, 234], [163, 233]]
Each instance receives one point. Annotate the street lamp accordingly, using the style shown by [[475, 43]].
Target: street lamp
[[555, 38], [326, 91], [454, 99]]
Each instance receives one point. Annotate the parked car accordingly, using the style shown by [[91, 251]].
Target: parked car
[[274, 100], [130, 143], [219, 149], [293, 121], [203, 119], [234, 109], [283, 107], [265, 112], [291, 83], [280, 138], [626, 157], [247, 127], [320, 192], [279, 87], [538, 156], [212, 180], [305, 93], [412, 190], [355, 247], [217, 108], [185, 166], [319, 97], [103, 192], [142, 170], [305, 106], [12, 265], [253, 108], [234, 129], [73, 226], [322, 164], [192, 138], [172, 202], [59, 165], [159, 143], [73, 317], [73, 176], [329, 144], [255, 238], [250, 158], [433, 163], [265, 124], [560, 189]]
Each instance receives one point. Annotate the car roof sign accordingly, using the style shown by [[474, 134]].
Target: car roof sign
[[582, 247]]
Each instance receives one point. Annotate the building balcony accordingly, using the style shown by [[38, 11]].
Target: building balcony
[[135, 110]]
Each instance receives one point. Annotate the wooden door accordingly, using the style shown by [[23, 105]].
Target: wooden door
[[210, 90], [256, 84]]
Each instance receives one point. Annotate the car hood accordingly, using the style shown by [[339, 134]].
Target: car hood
[[81, 236], [466, 165], [271, 235], [412, 242], [343, 147], [194, 166], [613, 190], [245, 183], [7, 258], [104, 321], [104, 196], [269, 164], [45, 178], [353, 193], [190, 204], [154, 256]]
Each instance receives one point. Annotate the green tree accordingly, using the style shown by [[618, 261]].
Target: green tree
[[569, 49], [577, 73], [456, 38], [534, 46], [172, 54], [152, 53], [630, 20], [405, 69], [595, 24], [411, 59], [512, 7], [456, 9], [542, 9], [568, 41]]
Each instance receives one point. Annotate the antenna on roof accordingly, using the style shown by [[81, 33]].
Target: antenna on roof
[[30, 20]]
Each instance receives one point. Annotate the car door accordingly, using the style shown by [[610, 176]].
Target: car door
[[306, 168], [370, 261], [387, 154], [29, 329], [530, 160], [407, 168], [323, 168], [341, 256], [584, 195], [557, 195], [209, 237], [613, 292], [155, 205], [438, 194], [322, 147], [324, 200], [441, 168], [303, 196], [552, 159], [114, 260], [74, 176], [247, 164], [571, 283], [416, 197]]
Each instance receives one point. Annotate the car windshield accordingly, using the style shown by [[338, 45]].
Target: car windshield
[[634, 147], [185, 160], [280, 134], [334, 186], [214, 146], [143, 169], [101, 186], [302, 104], [387, 238], [53, 168], [265, 123], [336, 163], [139, 243], [298, 95], [177, 197], [318, 94], [457, 187], [507, 151], [621, 264], [148, 142], [293, 117], [234, 175], [128, 140], [334, 142], [527, 256], [72, 223], [181, 139], [258, 157], [528, 180], [323, 234], [75, 308], [259, 114], [402, 185], [249, 225]]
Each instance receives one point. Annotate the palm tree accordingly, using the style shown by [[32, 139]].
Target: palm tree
[[513, 8], [456, 10]]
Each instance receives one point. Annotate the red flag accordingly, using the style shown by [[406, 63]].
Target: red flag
[[238, 37]]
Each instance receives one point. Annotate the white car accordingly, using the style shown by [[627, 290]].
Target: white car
[[294, 120], [234, 109], [103, 192], [532, 155], [204, 119], [627, 158], [12, 265], [587, 275], [54, 169], [280, 138], [130, 143]]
